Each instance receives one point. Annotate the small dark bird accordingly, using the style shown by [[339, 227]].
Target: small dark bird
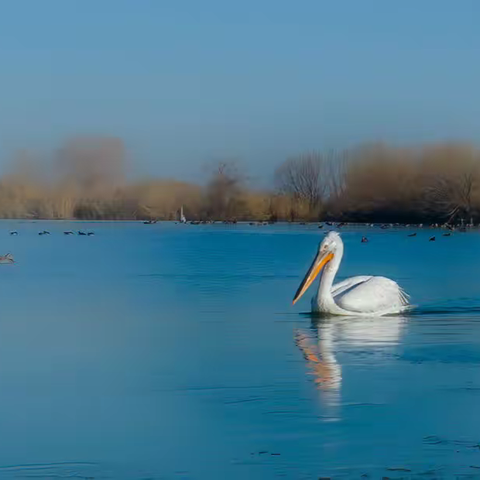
[[364, 240], [432, 239], [446, 234], [13, 233], [81, 233], [90, 234], [320, 226], [68, 233], [44, 233], [412, 234]]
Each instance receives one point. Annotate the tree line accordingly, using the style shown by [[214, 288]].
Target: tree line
[[369, 183]]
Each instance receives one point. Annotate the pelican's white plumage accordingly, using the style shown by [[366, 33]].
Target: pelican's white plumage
[[362, 295]]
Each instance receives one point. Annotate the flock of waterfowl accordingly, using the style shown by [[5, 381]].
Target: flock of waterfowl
[[451, 228], [384, 226], [461, 227], [9, 259], [69, 232]]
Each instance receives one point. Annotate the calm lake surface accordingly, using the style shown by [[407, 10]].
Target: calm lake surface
[[173, 351]]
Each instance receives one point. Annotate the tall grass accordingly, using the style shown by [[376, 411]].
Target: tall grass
[[369, 183]]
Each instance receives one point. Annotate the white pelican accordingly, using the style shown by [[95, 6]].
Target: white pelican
[[356, 296]]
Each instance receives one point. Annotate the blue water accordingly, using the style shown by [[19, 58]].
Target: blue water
[[173, 351]]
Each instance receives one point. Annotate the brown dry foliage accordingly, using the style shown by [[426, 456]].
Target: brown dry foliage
[[369, 183], [389, 184]]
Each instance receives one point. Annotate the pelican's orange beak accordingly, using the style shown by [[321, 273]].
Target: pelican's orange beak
[[318, 263]]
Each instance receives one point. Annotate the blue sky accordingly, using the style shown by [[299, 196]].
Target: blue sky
[[188, 82]]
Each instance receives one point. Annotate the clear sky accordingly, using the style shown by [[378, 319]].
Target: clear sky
[[187, 82]]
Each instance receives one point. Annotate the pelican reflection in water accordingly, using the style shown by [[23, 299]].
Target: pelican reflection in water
[[356, 296], [327, 337]]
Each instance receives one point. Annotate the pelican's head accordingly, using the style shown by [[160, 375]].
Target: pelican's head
[[330, 246]]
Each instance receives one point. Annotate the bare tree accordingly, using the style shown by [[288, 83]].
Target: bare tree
[[452, 196], [313, 180], [303, 178], [336, 167], [452, 180], [223, 192]]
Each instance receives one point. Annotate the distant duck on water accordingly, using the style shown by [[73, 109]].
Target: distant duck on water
[[45, 232], [431, 239], [14, 233], [68, 233], [412, 234], [364, 240], [81, 233], [7, 259]]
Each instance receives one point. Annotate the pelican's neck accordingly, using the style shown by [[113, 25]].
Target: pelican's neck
[[328, 276]]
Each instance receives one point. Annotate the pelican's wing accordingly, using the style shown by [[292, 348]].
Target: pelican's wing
[[376, 295], [341, 287]]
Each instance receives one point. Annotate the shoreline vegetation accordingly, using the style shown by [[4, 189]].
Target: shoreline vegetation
[[438, 183]]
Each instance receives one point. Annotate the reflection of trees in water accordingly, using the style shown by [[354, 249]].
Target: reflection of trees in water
[[320, 344]]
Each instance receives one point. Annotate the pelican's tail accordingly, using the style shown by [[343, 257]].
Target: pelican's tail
[[404, 297]]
